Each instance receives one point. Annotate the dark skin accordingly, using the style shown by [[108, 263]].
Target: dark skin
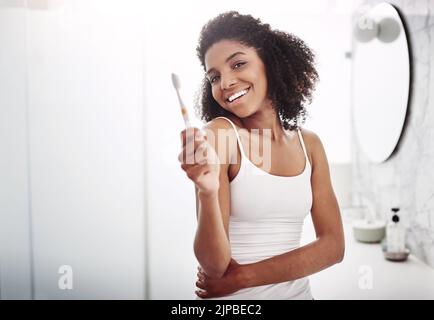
[[227, 284]]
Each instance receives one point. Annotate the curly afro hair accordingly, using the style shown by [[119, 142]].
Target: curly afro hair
[[289, 63]]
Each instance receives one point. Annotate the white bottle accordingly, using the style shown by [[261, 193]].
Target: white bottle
[[395, 234]]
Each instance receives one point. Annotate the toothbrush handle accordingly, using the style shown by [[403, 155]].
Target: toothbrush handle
[[185, 116], [183, 110]]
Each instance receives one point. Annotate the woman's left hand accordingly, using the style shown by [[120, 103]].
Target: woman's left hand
[[229, 283]]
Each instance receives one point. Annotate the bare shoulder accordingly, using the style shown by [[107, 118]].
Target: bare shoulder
[[220, 127], [221, 135], [218, 123], [223, 123], [310, 138], [314, 146]]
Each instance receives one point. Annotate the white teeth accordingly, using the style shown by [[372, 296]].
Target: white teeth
[[237, 95]]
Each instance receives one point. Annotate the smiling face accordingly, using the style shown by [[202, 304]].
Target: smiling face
[[237, 76]]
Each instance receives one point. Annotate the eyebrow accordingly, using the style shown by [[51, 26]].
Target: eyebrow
[[233, 55]]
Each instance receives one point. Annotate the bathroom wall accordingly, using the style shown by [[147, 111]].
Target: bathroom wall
[[406, 179], [72, 173], [15, 247]]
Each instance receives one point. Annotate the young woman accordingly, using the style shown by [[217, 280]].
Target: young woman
[[250, 214]]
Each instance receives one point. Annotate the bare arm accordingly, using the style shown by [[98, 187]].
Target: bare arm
[[211, 243]]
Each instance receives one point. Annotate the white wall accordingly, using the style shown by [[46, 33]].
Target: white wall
[[15, 247], [86, 148]]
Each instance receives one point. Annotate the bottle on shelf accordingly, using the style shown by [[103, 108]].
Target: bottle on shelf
[[395, 233]]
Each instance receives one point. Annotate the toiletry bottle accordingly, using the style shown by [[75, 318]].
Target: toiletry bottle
[[395, 233]]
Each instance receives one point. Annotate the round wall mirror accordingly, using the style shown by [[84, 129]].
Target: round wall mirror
[[381, 80]]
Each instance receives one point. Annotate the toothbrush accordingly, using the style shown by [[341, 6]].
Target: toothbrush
[[177, 85]]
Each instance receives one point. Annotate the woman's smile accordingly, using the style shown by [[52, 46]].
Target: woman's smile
[[237, 97]]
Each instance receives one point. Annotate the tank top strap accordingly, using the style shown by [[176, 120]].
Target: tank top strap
[[236, 133], [302, 144]]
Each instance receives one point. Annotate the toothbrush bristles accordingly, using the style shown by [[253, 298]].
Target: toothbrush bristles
[[175, 81]]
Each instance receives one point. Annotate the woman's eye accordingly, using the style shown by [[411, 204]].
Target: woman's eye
[[238, 65], [213, 79]]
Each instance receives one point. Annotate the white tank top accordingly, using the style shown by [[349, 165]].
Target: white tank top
[[266, 219]]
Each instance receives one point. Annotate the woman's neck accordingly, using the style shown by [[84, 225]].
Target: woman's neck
[[267, 122]]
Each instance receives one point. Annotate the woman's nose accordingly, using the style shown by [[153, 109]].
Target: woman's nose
[[227, 82]]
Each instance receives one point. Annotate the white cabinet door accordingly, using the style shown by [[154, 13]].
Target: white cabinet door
[[15, 242], [72, 132]]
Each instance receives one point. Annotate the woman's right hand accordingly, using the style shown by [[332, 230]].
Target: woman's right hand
[[200, 161]]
